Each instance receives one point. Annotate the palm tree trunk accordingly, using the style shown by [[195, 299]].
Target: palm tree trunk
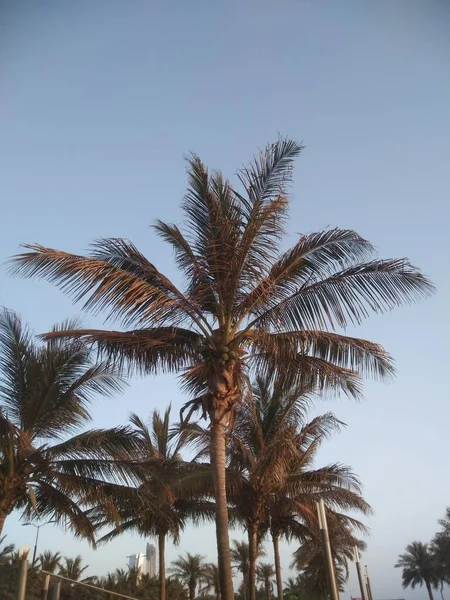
[[252, 556], [162, 565], [3, 515], [267, 588], [192, 587], [217, 454], [429, 590], [442, 589], [276, 552]]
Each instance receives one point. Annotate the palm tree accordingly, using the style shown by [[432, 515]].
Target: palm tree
[[309, 558], [48, 561], [211, 581], [418, 567], [190, 571], [159, 508], [240, 560], [265, 573], [6, 551], [441, 551], [246, 303], [271, 455], [72, 568], [44, 393]]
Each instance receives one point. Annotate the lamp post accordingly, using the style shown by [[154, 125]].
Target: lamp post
[[37, 535]]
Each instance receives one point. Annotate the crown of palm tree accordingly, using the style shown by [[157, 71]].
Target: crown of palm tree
[[48, 561], [271, 454], [309, 558], [245, 300], [45, 390], [73, 568], [418, 566]]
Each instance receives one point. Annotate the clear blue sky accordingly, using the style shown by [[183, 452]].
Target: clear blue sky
[[100, 100]]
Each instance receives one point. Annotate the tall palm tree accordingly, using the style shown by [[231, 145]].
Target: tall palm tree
[[265, 574], [418, 567], [271, 453], [49, 561], [246, 303], [47, 467], [160, 508], [189, 570], [211, 581]]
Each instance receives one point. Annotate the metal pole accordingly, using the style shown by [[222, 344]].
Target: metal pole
[[45, 588], [56, 589], [369, 585], [23, 577], [327, 551], [35, 545], [359, 572]]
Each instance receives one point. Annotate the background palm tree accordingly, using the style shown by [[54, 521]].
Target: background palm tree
[[211, 581], [44, 393], [418, 567], [6, 550], [265, 573], [240, 560], [189, 570], [309, 558], [72, 568], [440, 548], [272, 449], [247, 304], [49, 561], [159, 507]]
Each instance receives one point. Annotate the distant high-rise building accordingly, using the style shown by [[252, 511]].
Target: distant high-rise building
[[151, 560], [137, 561], [144, 563]]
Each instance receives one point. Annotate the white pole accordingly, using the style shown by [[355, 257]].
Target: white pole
[[327, 551]]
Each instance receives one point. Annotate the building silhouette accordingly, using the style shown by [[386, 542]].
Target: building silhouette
[[144, 563]]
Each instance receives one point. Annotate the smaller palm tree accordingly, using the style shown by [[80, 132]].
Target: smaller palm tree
[[72, 568], [190, 571], [6, 551], [418, 566], [211, 581], [48, 561], [265, 574], [240, 561]]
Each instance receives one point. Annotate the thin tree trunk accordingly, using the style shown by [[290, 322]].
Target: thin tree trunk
[[192, 587], [429, 590], [252, 555], [162, 565], [217, 454], [276, 552], [267, 588], [3, 515], [442, 590]]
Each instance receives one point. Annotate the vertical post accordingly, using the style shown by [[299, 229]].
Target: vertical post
[[56, 589], [359, 573], [35, 545], [369, 585], [23, 576], [331, 577], [44, 593]]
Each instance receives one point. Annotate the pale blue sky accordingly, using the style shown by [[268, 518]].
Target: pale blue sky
[[100, 100]]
